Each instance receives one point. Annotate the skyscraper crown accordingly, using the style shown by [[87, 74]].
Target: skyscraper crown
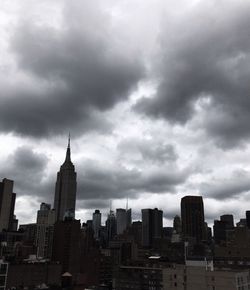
[[68, 163]]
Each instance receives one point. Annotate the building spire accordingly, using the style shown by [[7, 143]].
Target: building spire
[[68, 159], [69, 141]]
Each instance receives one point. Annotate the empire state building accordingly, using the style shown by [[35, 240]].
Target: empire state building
[[65, 192]]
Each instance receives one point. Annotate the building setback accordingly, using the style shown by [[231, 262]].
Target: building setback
[[65, 191]]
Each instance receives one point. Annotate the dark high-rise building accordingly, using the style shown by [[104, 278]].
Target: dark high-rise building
[[151, 226], [96, 223], [248, 218], [192, 217], [123, 218], [7, 204], [65, 192], [111, 225], [228, 219], [66, 245], [223, 227]]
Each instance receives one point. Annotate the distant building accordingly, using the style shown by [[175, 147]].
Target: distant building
[[7, 204], [151, 226], [65, 192], [242, 223], [177, 224], [223, 228], [123, 218], [192, 217], [45, 226], [111, 226], [229, 219], [97, 220]]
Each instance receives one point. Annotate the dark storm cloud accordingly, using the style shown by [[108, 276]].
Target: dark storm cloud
[[28, 170], [106, 181], [93, 204], [227, 188], [148, 150], [204, 63], [76, 72]]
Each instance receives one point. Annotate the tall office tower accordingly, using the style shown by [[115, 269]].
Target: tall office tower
[[7, 204], [192, 216], [248, 218], [223, 228], [45, 226], [65, 192], [111, 225], [151, 226], [228, 219], [123, 219], [66, 245], [177, 224], [97, 220]]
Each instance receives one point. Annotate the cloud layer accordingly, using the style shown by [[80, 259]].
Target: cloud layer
[[204, 69], [67, 75], [155, 94]]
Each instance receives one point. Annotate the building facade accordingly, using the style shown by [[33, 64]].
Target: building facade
[[45, 227]]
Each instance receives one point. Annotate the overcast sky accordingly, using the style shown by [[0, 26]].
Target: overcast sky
[[155, 94]]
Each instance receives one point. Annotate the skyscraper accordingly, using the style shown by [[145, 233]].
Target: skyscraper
[[192, 217], [97, 219], [66, 245], [177, 224], [111, 225], [7, 204], [65, 192], [45, 226], [151, 226], [123, 218]]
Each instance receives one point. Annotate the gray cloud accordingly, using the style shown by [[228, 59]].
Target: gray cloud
[[148, 150], [204, 62], [227, 188], [28, 170], [102, 181], [75, 72]]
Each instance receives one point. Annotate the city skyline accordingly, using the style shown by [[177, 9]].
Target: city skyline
[[157, 109]]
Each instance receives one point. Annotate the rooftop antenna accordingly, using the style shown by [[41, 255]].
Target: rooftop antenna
[[110, 206], [127, 204], [69, 141]]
